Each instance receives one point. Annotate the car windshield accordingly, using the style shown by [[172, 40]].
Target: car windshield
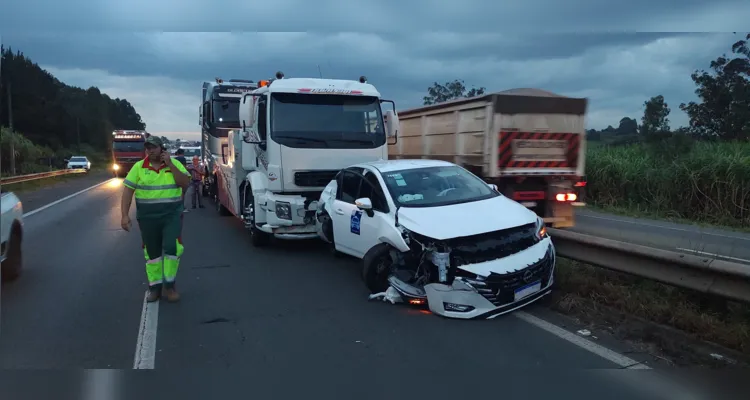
[[226, 111], [77, 159], [435, 186], [128, 147], [189, 153], [326, 121]]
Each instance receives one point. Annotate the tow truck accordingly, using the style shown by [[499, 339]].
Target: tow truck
[[218, 117], [127, 149], [296, 135]]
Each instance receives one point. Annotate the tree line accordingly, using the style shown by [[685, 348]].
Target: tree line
[[721, 113], [48, 119]]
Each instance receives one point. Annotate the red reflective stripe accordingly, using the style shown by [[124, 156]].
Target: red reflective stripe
[[505, 149]]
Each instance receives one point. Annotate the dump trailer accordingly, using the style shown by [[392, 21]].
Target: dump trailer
[[529, 142]]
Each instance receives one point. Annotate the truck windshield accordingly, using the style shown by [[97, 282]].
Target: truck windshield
[[189, 153], [128, 147], [435, 186], [226, 111], [326, 121]]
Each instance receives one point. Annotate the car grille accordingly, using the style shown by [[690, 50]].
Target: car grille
[[499, 288], [314, 178], [491, 246], [77, 167]]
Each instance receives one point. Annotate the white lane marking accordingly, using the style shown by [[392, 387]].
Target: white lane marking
[[704, 253], [664, 227], [599, 350], [30, 213], [145, 346]]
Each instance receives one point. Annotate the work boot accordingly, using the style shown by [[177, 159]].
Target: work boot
[[154, 293], [171, 293]]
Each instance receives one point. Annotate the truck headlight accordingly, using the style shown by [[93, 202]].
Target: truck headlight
[[283, 210]]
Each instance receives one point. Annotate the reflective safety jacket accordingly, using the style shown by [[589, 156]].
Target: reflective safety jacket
[[156, 192]]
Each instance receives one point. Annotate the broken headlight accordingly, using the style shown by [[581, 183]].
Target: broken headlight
[[541, 229]]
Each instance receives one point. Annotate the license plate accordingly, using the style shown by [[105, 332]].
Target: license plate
[[527, 290], [529, 203]]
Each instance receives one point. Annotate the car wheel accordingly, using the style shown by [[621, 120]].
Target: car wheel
[[11, 268], [376, 268], [328, 233]]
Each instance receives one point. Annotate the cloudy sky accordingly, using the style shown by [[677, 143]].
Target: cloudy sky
[[394, 43]]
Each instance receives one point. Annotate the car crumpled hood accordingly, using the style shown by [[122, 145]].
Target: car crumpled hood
[[465, 219]]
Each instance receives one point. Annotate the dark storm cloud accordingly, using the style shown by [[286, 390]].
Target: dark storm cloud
[[135, 54], [366, 15]]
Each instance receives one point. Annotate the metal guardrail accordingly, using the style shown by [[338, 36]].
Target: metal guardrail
[[717, 277], [32, 177]]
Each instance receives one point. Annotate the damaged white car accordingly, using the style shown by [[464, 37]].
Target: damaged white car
[[432, 232]]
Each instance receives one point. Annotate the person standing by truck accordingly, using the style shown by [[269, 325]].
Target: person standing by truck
[[196, 179], [158, 182]]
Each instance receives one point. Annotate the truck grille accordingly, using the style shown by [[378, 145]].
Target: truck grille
[[492, 245], [499, 288], [314, 178]]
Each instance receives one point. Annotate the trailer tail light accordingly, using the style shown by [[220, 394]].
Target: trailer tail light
[[564, 197], [580, 184]]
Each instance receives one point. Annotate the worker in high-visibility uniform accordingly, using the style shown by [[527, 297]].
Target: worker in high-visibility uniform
[[157, 181]]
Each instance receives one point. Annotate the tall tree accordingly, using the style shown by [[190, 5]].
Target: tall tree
[[655, 116], [438, 93], [51, 113], [724, 110]]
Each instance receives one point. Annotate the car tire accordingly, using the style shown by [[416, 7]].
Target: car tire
[[375, 280], [11, 268], [328, 232]]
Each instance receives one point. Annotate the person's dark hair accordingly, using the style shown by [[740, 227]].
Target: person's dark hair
[[180, 152]]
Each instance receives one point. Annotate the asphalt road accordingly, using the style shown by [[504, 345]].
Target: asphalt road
[[711, 242], [290, 315]]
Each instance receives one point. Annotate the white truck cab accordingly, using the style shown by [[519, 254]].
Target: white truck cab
[[296, 135]]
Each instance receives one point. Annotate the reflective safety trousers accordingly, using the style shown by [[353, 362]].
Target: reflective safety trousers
[[162, 247]]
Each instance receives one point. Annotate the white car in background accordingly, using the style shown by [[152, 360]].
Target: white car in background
[[432, 232], [11, 235], [79, 162]]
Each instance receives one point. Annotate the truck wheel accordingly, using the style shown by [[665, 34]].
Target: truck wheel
[[257, 237], [376, 268], [13, 264]]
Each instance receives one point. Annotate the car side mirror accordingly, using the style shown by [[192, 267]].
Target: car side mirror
[[363, 203], [493, 187]]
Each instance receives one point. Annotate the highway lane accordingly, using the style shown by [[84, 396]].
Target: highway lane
[[40, 197], [692, 239], [290, 312], [77, 303]]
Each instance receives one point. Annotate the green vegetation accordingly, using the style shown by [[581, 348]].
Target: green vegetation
[[701, 181], [52, 121], [699, 173], [596, 295]]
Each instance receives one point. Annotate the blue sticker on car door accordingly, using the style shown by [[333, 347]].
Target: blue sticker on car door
[[355, 221]]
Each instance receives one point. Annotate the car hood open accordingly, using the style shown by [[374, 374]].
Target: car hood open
[[465, 219]]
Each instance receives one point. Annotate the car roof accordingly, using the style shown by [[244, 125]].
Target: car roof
[[399, 165], [77, 156]]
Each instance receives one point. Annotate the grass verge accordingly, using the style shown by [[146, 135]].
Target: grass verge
[[637, 309]]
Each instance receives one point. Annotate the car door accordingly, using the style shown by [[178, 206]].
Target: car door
[[346, 216], [371, 227]]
